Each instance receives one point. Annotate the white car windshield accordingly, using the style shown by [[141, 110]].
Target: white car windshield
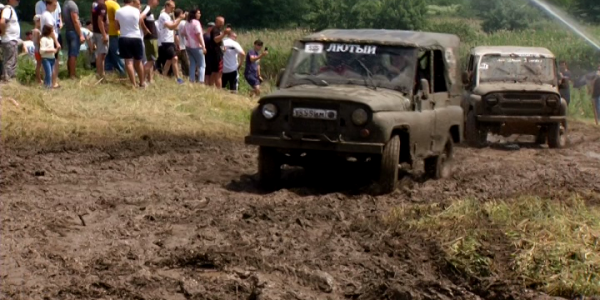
[[521, 68], [369, 65]]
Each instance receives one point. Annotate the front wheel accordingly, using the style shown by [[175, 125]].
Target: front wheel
[[474, 136], [438, 167], [388, 173], [269, 167], [557, 137]]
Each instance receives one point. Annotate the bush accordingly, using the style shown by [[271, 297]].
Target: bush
[[465, 31], [390, 14], [505, 14], [26, 70], [588, 10]]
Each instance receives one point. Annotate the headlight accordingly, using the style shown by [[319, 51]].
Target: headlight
[[492, 100], [360, 117], [269, 111], [552, 101]]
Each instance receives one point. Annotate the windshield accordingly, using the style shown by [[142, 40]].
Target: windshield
[[516, 68], [368, 65]]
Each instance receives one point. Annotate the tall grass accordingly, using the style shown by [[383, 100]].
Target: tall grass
[[566, 46], [85, 112]]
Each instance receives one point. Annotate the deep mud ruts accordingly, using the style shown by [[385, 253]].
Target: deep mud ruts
[[183, 220]]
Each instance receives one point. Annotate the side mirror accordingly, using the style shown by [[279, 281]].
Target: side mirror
[[425, 88], [279, 77], [465, 77]]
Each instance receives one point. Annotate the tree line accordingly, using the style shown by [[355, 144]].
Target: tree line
[[391, 14]]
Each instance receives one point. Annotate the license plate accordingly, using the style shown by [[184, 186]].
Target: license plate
[[312, 113]]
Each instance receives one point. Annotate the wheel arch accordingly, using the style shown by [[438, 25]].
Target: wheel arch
[[403, 131], [455, 134]]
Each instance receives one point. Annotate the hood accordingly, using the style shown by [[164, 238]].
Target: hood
[[488, 87], [378, 100]]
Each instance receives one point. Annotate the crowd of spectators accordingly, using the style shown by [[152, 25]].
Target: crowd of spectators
[[129, 40]]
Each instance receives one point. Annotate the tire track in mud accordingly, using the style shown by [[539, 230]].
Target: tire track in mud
[[182, 220]]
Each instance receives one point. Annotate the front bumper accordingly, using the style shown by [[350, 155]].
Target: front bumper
[[522, 119], [312, 144]]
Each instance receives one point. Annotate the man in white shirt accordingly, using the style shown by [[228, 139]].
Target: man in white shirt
[[48, 19], [232, 61], [11, 32], [166, 38], [40, 8], [131, 45]]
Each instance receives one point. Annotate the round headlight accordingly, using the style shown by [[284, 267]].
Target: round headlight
[[492, 100], [269, 111], [360, 117], [552, 101]]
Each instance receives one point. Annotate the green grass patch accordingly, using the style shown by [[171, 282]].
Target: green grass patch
[[550, 244], [85, 112]]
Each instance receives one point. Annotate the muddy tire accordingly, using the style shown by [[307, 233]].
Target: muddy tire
[[557, 137], [388, 170], [474, 137], [540, 138], [269, 168], [438, 167]]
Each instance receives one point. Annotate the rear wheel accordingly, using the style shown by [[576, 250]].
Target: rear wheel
[[388, 172], [269, 167], [474, 136], [437, 167], [557, 137]]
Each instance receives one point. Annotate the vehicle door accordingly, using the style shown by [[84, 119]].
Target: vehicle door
[[421, 132], [441, 101]]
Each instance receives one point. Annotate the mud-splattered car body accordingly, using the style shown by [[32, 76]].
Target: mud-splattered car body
[[382, 97], [513, 90]]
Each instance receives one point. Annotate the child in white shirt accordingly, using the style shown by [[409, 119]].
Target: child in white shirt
[[47, 52]]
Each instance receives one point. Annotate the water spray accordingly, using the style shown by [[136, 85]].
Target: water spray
[[569, 23]]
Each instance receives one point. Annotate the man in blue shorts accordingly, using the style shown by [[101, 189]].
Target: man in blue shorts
[[70, 15], [252, 71]]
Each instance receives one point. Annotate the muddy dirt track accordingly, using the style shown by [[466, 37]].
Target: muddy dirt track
[[183, 220]]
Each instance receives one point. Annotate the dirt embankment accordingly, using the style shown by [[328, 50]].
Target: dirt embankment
[[182, 220]]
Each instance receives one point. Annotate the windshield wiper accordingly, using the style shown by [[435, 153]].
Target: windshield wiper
[[530, 69], [319, 82], [369, 74]]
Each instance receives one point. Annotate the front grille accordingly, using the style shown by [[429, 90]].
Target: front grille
[[301, 125], [520, 104], [522, 96]]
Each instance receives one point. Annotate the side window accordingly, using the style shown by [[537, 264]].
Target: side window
[[471, 63], [439, 72], [424, 68]]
